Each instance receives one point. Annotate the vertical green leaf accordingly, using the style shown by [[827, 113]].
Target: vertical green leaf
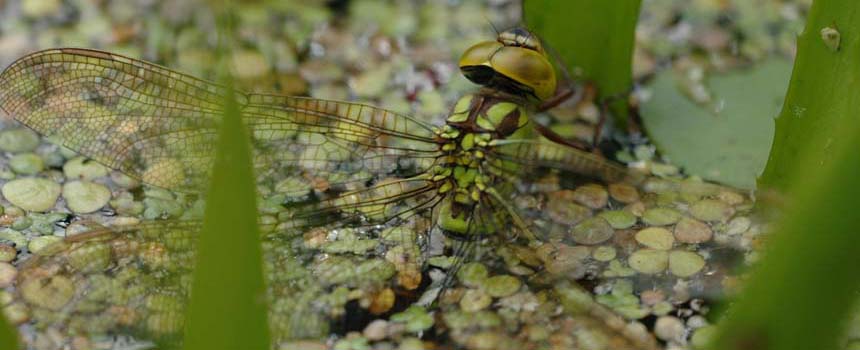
[[595, 39], [8, 336], [802, 291], [799, 296], [822, 95], [228, 294], [228, 309]]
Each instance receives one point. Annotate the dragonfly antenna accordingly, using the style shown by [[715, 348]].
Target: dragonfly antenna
[[496, 30]]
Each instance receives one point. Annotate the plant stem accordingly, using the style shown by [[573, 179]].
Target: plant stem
[[595, 39], [800, 294], [822, 95]]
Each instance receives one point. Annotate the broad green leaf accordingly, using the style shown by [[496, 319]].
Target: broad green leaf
[[822, 95], [728, 140], [801, 293], [594, 38]]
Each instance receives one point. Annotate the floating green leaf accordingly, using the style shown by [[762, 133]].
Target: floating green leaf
[[803, 289], [725, 141]]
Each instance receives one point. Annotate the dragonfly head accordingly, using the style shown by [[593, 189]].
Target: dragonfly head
[[515, 62]]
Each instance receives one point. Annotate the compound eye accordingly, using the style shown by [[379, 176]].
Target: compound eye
[[527, 67], [479, 54]]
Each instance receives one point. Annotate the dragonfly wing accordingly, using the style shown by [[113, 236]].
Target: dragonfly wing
[[592, 322], [109, 279], [344, 145], [160, 126], [136, 280], [546, 268], [390, 199], [152, 123], [363, 166], [537, 198]]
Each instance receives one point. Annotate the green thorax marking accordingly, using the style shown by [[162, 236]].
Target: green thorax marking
[[477, 113], [474, 123]]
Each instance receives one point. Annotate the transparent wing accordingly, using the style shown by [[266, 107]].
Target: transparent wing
[[627, 245], [338, 165], [107, 280], [136, 281], [159, 126], [345, 145], [149, 122], [514, 272]]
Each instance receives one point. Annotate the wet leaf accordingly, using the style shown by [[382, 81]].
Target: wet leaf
[[728, 140]]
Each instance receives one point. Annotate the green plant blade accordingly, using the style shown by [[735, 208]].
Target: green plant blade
[[8, 336], [822, 94], [227, 308], [801, 293], [594, 37], [803, 289]]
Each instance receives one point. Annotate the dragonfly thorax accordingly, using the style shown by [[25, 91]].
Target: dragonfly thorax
[[464, 174], [492, 115]]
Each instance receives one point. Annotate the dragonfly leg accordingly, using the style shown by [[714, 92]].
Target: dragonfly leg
[[562, 95], [554, 137], [634, 120], [518, 221], [577, 93], [588, 92], [598, 129]]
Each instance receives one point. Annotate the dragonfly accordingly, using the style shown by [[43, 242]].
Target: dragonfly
[[326, 171]]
